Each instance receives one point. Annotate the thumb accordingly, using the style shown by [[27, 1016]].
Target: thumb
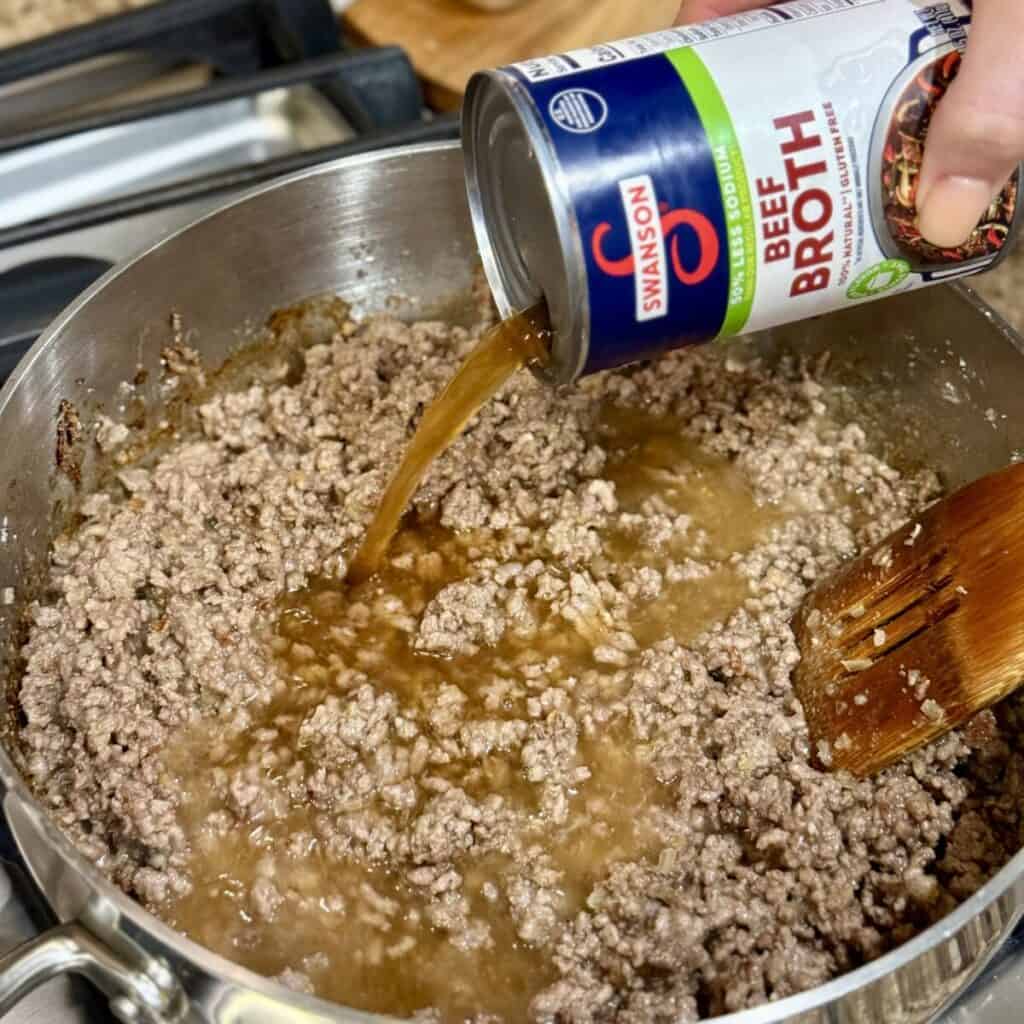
[[976, 138]]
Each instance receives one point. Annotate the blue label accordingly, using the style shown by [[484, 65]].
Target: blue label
[[642, 179]]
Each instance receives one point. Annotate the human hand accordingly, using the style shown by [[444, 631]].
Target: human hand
[[976, 138]]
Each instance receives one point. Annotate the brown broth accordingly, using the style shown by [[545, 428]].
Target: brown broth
[[504, 349], [613, 814]]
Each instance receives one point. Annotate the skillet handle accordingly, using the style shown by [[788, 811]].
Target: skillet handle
[[137, 996]]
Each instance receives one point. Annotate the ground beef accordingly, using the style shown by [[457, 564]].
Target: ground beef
[[561, 739]]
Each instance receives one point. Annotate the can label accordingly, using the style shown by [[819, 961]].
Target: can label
[[753, 171]]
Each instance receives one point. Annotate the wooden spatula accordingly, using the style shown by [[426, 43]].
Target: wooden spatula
[[917, 635]]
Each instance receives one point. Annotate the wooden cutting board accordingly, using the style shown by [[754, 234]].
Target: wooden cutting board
[[447, 40]]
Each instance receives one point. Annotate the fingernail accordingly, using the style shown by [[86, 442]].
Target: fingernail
[[951, 210]]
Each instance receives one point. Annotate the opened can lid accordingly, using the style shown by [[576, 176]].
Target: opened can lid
[[524, 223]]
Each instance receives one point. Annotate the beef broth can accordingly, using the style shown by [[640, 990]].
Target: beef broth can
[[708, 181]]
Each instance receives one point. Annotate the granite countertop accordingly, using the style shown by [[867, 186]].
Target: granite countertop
[[1003, 288]]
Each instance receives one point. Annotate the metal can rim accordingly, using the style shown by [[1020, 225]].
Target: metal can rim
[[571, 333]]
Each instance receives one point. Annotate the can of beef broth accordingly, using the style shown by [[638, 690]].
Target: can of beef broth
[[708, 181]]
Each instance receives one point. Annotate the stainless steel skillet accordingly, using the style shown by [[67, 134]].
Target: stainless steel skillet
[[390, 230]]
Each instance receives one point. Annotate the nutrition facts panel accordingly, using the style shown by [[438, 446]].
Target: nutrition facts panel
[[560, 65]]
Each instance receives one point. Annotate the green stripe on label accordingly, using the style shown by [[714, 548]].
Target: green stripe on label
[[732, 180]]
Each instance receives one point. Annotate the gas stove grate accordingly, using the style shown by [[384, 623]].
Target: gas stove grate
[[252, 49]]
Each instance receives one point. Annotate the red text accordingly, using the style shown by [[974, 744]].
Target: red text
[[796, 210]]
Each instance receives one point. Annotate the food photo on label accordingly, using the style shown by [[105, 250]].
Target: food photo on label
[[566, 575]]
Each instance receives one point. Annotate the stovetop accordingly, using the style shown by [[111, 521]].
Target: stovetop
[[64, 1000], [114, 135]]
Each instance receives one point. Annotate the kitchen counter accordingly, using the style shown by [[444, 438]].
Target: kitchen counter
[[22, 20]]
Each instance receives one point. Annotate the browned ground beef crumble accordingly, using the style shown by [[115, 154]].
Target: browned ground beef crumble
[[772, 877]]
